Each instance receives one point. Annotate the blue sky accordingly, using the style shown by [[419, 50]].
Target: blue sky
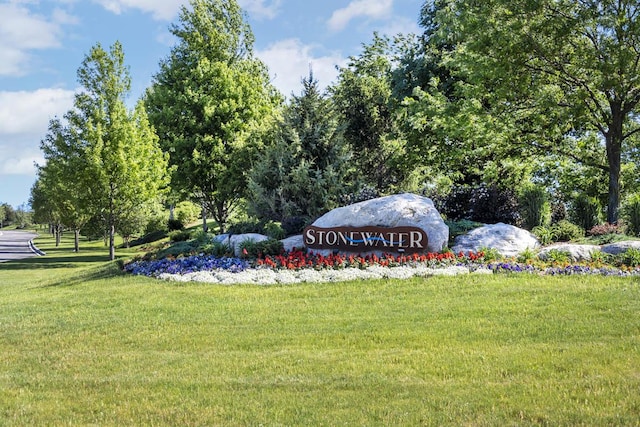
[[43, 42]]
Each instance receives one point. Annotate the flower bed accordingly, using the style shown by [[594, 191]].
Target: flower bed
[[299, 266]]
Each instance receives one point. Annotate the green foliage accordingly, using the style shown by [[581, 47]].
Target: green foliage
[[599, 257], [187, 212], [545, 235], [304, 173], [565, 231], [180, 235], [363, 96], [269, 247], [463, 226], [534, 206], [274, 230], [558, 256], [631, 214], [526, 256], [156, 223], [585, 211], [293, 225], [211, 103], [630, 257], [490, 254], [485, 204], [564, 96], [216, 248], [175, 224]]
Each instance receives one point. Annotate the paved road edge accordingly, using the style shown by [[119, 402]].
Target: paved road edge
[[35, 249]]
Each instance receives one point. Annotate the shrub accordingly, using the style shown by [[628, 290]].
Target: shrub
[[486, 204], [156, 223], [534, 206], [365, 193], [606, 228], [251, 225], [527, 255], [273, 230], [565, 231], [585, 211], [558, 256], [631, 213], [187, 212], [630, 257], [217, 249], [178, 249], [293, 225], [269, 247], [545, 235], [148, 238], [457, 228], [174, 224], [179, 236]]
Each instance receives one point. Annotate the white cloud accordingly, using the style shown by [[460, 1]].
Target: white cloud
[[368, 8], [160, 9], [289, 61], [21, 31], [167, 10], [258, 8], [24, 119]]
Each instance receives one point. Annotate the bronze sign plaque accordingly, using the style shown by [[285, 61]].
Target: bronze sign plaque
[[364, 239]]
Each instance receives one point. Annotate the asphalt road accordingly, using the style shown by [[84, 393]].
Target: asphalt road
[[14, 245]]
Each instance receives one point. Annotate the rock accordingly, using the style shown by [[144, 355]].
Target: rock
[[508, 240], [576, 252], [293, 242], [400, 210], [236, 240], [620, 247]]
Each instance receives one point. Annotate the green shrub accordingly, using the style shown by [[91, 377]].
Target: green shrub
[[148, 238], [565, 231], [600, 257], [630, 257], [177, 249], [463, 226], [217, 249], [586, 211], [534, 206], [156, 223], [544, 234], [490, 254], [179, 236], [175, 224], [486, 204], [527, 255], [187, 212], [293, 225], [555, 255], [631, 213], [269, 247], [250, 225], [273, 230]]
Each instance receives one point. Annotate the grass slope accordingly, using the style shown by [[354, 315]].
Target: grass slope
[[83, 344]]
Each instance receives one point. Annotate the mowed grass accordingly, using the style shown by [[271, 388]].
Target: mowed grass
[[80, 344]]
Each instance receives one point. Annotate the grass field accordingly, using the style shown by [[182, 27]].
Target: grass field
[[80, 344]]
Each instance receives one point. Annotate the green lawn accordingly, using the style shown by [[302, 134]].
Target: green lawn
[[82, 344]]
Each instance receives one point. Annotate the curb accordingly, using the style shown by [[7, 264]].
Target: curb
[[35, 250]]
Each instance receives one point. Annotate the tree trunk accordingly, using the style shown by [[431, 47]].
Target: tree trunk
[[205, 227], [172, 208], [58, 233], [112, 243], [76, 240], [613, 141]]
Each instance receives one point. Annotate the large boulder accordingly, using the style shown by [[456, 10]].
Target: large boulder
[[400, 210], [293, 242], [576, 252], [508, 240]]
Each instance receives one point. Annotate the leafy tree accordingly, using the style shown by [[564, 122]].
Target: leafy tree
[[304, 173], [123, 164], [209, 102], [63, 192], [555, 76], [364, 97], [3, 213]]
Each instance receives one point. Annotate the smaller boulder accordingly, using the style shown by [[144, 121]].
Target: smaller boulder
[[576, 252], [508, 240], [236, 241], [293, 242], [620, 247]]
